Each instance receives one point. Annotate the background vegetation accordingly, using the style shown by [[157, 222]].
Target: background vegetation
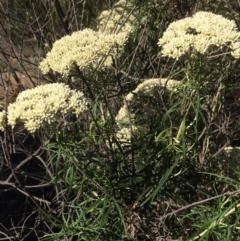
[[175, 181]]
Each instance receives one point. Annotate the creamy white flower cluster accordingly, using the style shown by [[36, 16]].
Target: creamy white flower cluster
[[118, 19], [198, 33], [83, 49], [125, 116], [2, 120], [44, 104]]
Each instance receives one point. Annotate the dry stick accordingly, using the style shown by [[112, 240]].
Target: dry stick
[[133, 54], [24, 223], [61, 15], [135, 50], [4, 147], [106, 21], [22, 188], [33, 198], [40, 29], [128, 16], [200, 202], [49, 173], [9, 146], [7, 237], [23, 163], [75, 15], [130, 77], [221, 149]]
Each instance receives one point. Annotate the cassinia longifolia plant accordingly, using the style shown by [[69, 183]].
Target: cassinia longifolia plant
[[199, 33], [137, 163]]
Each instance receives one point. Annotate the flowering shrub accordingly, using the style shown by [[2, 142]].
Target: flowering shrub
[[199, 33], [44, 104], [83, 49], [126, 115], [117, 19]]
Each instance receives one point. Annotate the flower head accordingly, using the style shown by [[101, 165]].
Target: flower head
[[83, 49], [199, 33], [44, 104]]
